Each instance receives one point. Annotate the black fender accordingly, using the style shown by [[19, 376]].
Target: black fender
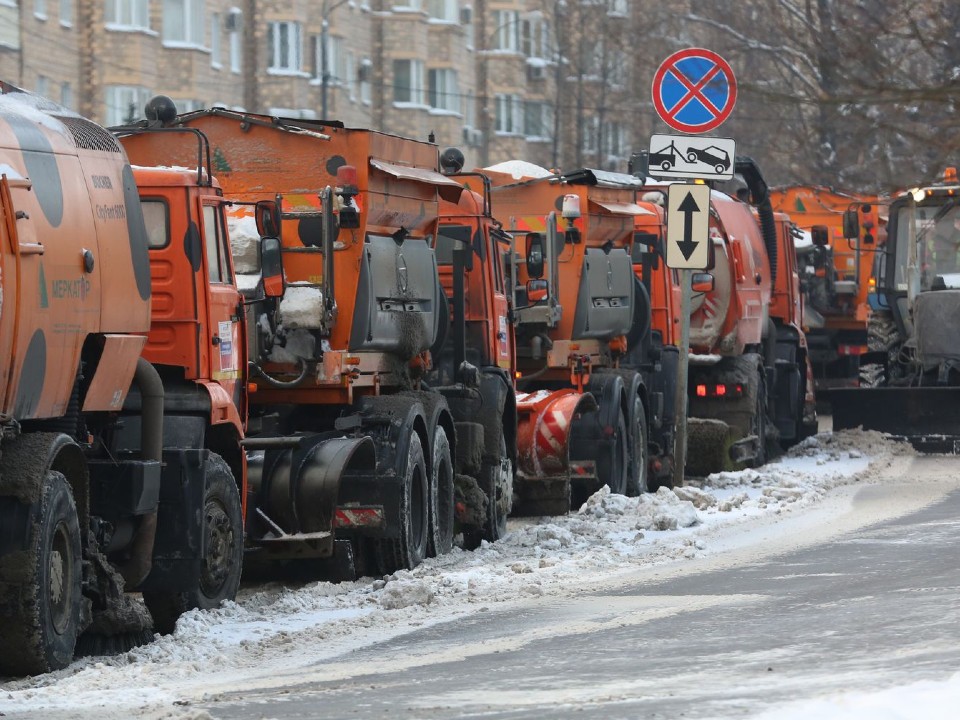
[[596, 428], [436, 412], [390, 421]]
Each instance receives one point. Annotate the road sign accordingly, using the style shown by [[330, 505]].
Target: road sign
[[685, 156], [688, 226], [694, 90]]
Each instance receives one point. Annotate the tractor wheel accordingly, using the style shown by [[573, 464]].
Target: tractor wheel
[[409, 550], [220, 567], [637, 482], [441, 495], [39, 631]]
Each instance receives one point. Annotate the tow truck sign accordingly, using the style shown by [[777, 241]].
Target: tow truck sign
[[685, 156]]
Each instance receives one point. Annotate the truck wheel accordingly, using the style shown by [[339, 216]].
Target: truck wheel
[[40, 633], [691, 156], [441, 495], [666, 165], [614, 464], [409, 550], [639, 460], [219, 575], [496, 481]]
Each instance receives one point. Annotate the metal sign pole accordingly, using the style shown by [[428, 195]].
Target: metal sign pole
[[680, 432]]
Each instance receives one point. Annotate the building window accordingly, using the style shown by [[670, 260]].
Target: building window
[[408, 81], [614, 139], [443, 93], [506, 30], [125, 103], [617, 7], [445, 10], [535, 37], [616, 68], [336, 60], [409, 5], [283, 51], [366, 70], [538, 120], [128, 14], [43, 86], [40, 9], [233, 25], [350, 76], [508, 117], [215, 59], [66, 12], [66, 95], [183, 21]]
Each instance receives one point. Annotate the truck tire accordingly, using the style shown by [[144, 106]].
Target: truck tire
[[441, 495], [219, 575], [613, 462], [409, 550], [637, 477], [691, 157], [496, 481], [759, 422], [40, 634]]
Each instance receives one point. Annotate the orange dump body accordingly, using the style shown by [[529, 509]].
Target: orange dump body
[[810, 205], [398, 189], [606, 221], [73, 260]]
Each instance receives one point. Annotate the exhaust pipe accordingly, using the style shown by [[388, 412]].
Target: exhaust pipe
[[136, 569]]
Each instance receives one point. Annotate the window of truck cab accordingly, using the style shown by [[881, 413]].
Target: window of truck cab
[[214, 241], [156, 217]]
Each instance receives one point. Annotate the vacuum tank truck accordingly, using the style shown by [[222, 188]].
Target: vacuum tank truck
[[90, 472]]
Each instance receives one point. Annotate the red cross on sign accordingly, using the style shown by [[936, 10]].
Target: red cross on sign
[[694, 90]]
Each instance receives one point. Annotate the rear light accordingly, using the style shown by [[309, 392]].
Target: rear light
[[848, 350], [719, 390]]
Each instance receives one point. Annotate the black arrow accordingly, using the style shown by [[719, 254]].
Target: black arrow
[[688, 207]]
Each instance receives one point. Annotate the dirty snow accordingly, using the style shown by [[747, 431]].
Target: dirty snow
[[274, 629], [520, 170]]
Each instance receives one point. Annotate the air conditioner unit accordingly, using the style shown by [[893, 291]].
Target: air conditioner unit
[[476, 138], [232, 21], [466, 15], [536, 72]]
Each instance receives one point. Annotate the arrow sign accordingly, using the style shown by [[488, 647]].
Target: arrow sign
[[688, 226]]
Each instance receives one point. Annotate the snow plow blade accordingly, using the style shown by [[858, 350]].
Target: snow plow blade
[[927, 417], [544, 419]]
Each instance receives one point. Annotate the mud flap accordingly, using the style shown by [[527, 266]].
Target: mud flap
[[927, 417], [593, 432]]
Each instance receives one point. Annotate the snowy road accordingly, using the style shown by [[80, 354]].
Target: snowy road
[[830, 571]]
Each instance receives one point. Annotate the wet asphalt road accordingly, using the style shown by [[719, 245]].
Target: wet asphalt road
[[869, 609]]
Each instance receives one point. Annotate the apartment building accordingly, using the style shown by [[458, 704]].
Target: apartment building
[[540, 80]]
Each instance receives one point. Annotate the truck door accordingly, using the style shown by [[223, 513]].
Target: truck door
[[500, 310], [227, 356]]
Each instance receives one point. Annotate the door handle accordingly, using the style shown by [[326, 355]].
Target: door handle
[[31, 248]]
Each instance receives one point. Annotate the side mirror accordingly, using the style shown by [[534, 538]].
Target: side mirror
[[701, 282], [271, 266], [851, 224], [267, 214], [821, 236], [537, 291], [534, 242]]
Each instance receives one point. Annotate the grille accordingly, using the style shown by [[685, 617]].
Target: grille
[[88, 135]]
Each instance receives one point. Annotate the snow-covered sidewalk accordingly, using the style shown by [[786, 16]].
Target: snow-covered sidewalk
[[273, 630]]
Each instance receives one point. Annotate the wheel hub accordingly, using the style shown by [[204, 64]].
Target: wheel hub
[[220, 541]]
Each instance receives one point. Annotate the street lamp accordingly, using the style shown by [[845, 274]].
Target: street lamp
[[324, 41]]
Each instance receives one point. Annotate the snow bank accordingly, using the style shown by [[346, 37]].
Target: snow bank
[[244, 241], [520, 170]]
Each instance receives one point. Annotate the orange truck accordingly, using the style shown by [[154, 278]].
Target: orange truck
[[748, 381], [352, 454], [585, 413], [842, 233], [109, 440]]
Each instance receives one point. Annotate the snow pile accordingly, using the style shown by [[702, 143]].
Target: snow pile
[[302, 307], [520, 170], [286, 627], [244, 242]]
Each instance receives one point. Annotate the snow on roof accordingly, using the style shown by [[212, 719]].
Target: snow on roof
[[520, 170]]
